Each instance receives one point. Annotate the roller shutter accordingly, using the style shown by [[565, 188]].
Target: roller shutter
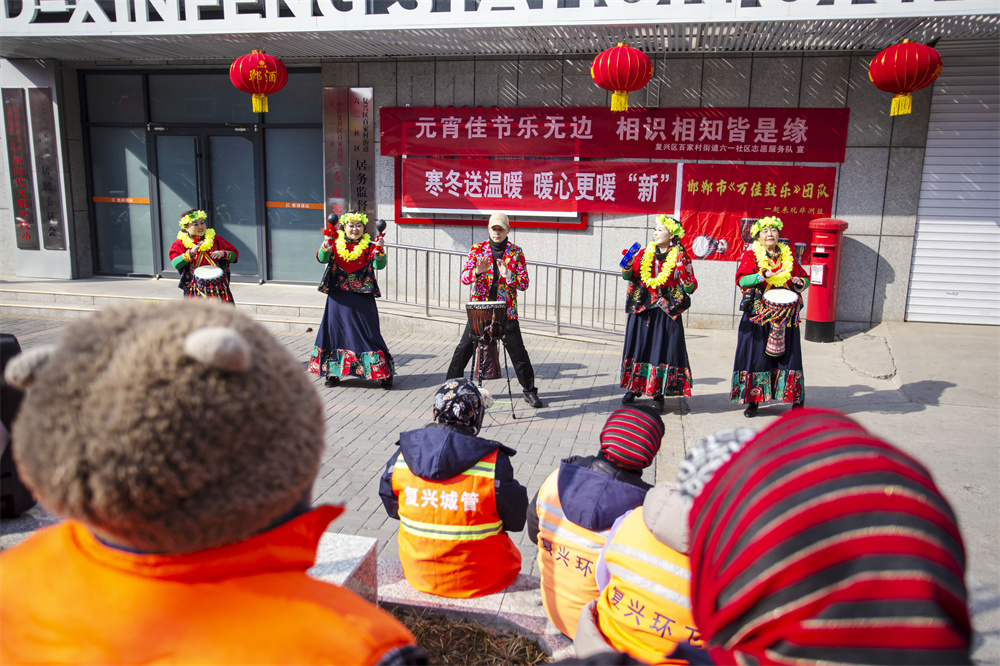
[[955, 269]]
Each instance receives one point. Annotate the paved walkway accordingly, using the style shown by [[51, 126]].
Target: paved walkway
[[931, 389]]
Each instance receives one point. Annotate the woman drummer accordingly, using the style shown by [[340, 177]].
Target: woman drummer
[[197, 246], [758, 377], [661, 277], [349, 342]]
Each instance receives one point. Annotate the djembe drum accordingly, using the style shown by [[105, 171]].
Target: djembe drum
[[208, 282], [487, 320], [779, 308]]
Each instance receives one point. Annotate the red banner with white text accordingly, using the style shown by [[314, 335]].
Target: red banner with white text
[[740, 133], [720, 202], [537, 187]]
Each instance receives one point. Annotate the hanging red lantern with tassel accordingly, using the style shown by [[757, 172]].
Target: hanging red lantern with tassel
[[622, 70], [903, 69], [260, 75]]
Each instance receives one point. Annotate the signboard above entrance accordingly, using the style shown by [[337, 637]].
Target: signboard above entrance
[[192, 17], [737, 134]]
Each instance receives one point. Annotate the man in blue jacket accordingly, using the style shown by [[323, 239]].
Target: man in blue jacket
[[571, 514], [456, 498]]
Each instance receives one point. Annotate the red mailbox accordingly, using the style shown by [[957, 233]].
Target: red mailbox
[[824, 278]]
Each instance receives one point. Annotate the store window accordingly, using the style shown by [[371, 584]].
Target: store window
[[115, 98], [294, 181], [121, 200], [198, 99], [194, 142]]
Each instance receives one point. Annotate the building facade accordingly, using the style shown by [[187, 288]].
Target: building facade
[[147, 124]]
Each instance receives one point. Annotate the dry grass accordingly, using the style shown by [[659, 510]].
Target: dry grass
[[462, 642]]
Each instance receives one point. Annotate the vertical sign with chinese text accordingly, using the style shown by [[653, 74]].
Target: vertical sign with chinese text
[[43, 134], [362, 151], [19, 162], [335, 147]]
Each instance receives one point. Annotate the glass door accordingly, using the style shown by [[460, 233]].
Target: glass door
[[215, 170]]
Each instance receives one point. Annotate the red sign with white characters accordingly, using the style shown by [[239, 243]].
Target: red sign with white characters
[[541, 187], [720, 202], [743, 134]]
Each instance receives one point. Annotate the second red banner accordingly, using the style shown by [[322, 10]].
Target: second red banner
[[539, 187]]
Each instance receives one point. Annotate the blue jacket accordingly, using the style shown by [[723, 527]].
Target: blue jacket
[[593, 492], [439, 452]]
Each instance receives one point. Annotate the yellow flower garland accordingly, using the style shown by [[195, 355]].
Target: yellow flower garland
[[206, 244], [780, 278], [646, 266], [341, 246]]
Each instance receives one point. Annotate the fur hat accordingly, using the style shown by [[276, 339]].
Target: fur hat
[[167, 428]]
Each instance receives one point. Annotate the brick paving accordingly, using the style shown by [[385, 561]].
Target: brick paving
[[576, 380]]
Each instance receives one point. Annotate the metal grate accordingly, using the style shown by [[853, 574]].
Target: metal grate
[[728, 37]]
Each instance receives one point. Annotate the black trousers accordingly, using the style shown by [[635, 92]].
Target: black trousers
[[515, 349]]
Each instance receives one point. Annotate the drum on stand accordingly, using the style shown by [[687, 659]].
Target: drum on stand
[[487, 320], [779, 309], [208, 282]]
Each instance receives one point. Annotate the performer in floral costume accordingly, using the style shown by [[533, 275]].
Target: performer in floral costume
[[758, 377], [496, 270], [349, 342], [198, 246], [661, 279]]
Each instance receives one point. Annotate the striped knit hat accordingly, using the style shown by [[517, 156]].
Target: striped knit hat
[[631, 437], [818, 543]]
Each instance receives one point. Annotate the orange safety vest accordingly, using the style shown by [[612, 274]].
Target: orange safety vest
[[66, 598], [451, 538], [645, 610], [567, 555]]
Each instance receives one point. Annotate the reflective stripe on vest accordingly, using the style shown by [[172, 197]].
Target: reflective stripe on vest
[[655, 564], [645, 610], [451, 537], [567, 557], [481, 468], [451, 532]]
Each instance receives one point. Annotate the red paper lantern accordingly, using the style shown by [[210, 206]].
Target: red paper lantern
[[621, 69], [903, 69], [260, 75]]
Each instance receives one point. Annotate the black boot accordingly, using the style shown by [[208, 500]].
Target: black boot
[[628, 398], [751, 410], [531, 397], [387, 383], [798, 403], [332, 381], [658, 402]]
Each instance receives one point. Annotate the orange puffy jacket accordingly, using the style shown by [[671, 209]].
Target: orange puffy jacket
[[67, 598]]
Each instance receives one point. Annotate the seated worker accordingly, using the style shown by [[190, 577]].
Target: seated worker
[[181, 442], [644, 577], [459, 500], [578, 503], [842, 551]]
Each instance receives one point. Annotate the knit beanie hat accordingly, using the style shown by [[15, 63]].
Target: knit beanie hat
[[631, 437]]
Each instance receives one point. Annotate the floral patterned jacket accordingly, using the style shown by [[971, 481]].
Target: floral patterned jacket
[[517, 278], [639, 297], [357, 276]]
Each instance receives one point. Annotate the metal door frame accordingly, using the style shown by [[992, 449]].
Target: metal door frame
[[201, 134]]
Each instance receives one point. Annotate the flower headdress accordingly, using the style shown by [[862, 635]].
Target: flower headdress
[[353, 217], [192, 217], [765, 222], [672, 224]]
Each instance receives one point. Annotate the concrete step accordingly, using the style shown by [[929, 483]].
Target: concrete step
[[517, 608]]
